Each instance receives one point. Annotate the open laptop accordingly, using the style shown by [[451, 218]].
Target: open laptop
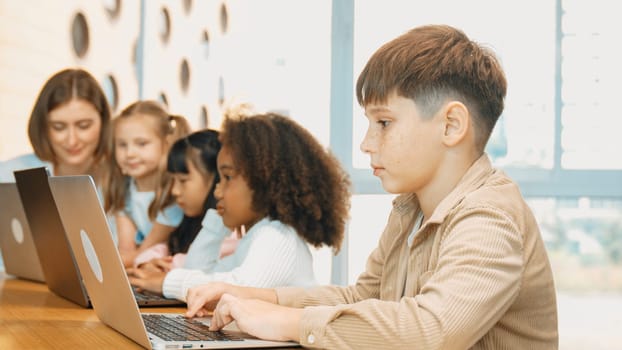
[[57, 262], [48, 232], [109, 287], [18, 250]]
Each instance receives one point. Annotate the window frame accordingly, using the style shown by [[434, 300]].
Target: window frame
[[534, 183]]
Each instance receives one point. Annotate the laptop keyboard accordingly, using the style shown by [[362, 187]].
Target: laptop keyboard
[[146, 296], [179, 328]]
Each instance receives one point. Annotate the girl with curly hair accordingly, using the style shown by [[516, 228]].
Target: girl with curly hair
[[283, 191]]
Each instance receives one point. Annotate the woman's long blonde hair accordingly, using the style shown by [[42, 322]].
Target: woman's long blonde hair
[[169, 128]]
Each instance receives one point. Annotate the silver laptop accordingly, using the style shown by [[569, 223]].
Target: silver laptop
[[18, 250], [109, 287], [57, 261]]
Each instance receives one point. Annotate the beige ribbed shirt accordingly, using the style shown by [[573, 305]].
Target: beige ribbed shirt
[[476, 276]]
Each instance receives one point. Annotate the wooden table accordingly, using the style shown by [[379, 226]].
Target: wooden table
[[32, 317]]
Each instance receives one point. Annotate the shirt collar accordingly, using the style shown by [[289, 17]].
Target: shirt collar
[[474, 178]]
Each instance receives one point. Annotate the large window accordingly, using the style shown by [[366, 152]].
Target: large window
[[590, 79], [562, 70], [556, 137]]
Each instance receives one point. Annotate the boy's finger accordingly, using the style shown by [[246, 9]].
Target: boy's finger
[[195, 304]]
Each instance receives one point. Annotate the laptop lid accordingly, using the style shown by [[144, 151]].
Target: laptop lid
[[18, 250], [104, 275], [57, 262], [65, 275]]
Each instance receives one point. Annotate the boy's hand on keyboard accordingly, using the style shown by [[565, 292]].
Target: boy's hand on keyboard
[[259, 318], [202, 299]]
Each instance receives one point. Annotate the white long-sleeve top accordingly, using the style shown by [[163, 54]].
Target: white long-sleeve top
[[270, 254]]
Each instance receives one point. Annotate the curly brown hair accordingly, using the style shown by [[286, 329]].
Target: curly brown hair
[[293, 177]]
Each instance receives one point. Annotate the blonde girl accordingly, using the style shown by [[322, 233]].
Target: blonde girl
[[138, 191]]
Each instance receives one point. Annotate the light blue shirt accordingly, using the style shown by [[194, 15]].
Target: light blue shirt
[[25, 161], [137, 208]]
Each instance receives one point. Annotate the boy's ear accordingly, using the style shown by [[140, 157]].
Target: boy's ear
[[457, 123]]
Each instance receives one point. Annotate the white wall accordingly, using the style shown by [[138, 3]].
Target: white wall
[[35, 42]]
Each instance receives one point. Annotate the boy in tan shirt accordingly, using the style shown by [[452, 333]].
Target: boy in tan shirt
[[461, 263]]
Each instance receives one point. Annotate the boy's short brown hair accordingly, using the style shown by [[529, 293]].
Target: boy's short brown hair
[[432, 64]]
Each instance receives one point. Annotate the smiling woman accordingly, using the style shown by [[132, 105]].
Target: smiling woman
[[68, 128], [74, 136]]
